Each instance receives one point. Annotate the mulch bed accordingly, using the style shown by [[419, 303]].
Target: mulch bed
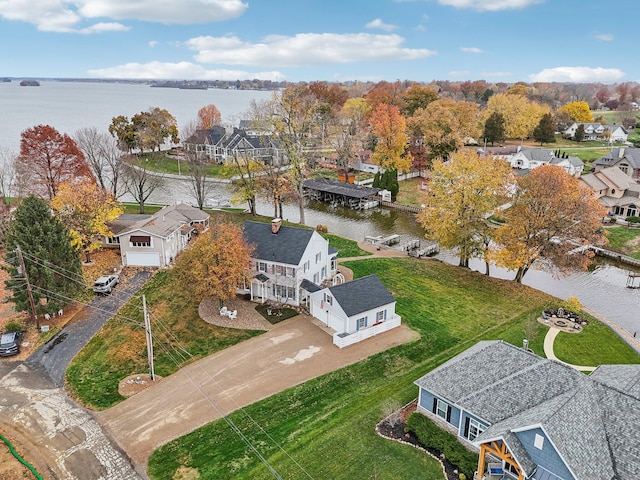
[[393, 427]]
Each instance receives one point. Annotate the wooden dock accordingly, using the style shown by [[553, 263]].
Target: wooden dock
[[381, 240]]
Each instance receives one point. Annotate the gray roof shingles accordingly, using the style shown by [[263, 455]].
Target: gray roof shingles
[[361, 295], [287, 246], [592, 420]]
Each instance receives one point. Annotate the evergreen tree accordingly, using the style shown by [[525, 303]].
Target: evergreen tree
[[579, 135], [494, 128], [51, 262], [545, 131], [376, 180]]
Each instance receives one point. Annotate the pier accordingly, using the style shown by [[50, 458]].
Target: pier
[[357, 197]]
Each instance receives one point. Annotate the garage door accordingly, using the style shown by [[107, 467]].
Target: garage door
[[137, 259]]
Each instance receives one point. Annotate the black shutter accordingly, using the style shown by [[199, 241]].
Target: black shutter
[[435, 405], [466, 428], [448, 413]]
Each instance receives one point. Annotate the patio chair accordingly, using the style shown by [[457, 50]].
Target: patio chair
[[233, 315], [223, 311]]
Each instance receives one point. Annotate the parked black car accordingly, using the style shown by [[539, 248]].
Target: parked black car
[[10, 343]]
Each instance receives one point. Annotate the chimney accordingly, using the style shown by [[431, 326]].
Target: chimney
[[276, 223], [621, 152]]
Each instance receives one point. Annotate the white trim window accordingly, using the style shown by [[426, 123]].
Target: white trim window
[[306, 267], [361, 323], [318, 257], [475, 429], [442, 408], [381, 315], [262, 266]]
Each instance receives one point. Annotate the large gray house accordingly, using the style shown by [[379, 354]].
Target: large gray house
[[533, 418]]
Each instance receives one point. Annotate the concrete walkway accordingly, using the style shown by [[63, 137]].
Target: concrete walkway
[[549, 338]]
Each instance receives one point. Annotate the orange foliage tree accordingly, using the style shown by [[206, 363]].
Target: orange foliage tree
[[215, 264], [48, 158], [389, 127], [86, 210], [209, 117], [551, 214]]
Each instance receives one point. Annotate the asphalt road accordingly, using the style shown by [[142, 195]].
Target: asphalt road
[[53, 358]]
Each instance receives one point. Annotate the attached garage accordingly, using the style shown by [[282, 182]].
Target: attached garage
[[143, 259]]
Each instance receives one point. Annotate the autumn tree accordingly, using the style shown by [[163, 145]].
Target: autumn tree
[[494, 128], [416, 97], [520, 115], [462, 193], [274, 184], [215, 265], [444, 125], [551, 214], [86, 210], [578, 111], [545, 130], [48, 158], [124, 132], [208, 117], [153, 128], [51, 260], [389, 128], [245, 185], [346, 134], [103, 156], [197, 168]]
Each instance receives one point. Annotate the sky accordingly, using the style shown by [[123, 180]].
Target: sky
[[322, 40]]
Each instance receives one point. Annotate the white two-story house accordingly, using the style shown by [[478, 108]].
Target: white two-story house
[[287, 263]]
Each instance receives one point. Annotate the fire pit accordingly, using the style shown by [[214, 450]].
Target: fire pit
[[560, 323]]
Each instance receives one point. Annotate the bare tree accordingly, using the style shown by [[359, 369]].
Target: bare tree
[[140, 182], [7, 173], [102, 154], [197, 163]]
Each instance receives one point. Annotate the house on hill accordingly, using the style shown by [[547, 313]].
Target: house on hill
[[537, 419], [288, 263], [155, 240], [598, 132], [355, 310], [625, 158], [615, 190]]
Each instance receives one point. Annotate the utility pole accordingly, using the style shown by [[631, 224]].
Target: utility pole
[[34, 315], [147, 328]]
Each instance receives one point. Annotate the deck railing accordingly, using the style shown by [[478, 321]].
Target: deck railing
[[342, 340]]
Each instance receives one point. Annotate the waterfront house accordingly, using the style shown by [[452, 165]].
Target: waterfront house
[[355, 310], [534, 418], [155, 240], [625, 158], [288, 262], [598, 132], [616, 190]]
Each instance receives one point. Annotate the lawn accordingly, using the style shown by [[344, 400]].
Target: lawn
[[119, 348], [625, 240], [346, 248], [160, 162], [410, 192], [326, 426]]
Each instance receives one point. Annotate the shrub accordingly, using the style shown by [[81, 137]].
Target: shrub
[[433, 437], [633, 219], [13, 327], [572, 304], [322, 228]]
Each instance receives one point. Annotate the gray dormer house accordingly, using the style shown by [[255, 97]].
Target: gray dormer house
[[355, 310], [155, 240], [598, 132], [533, 418], [625, 158], [530, 158], [287, 263]]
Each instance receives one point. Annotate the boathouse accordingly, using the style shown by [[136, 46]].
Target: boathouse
[[340, 193]]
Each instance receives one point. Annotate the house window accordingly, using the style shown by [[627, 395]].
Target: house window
[[538, 442], [318, 257], [334, 264], [475, 429], [631, 211], [323, 272], [306, 267], [381, 315], [328, 299], [279, 270], [316, 278], [442, 409], [113, 240], [140, 240], [361, 323], [262, 266], [624, 168], [290, 272]]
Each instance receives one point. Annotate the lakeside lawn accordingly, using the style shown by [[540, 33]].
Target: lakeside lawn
[[326, 425], [625, 240]]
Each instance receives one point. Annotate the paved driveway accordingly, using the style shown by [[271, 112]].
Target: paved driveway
[[53, 358], [291, 353]]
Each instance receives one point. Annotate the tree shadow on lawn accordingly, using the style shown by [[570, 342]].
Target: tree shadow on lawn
[[275, 315]]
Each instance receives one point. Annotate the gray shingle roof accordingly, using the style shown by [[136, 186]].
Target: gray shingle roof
[[287, 246], [591, 420], [631, 155], [167, 220], [361, 295], [340, 188]]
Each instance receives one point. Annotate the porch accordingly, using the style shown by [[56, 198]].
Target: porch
[[344, 339]]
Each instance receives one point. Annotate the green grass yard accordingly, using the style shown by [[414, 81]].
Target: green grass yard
[[326, 426], [625, 240]]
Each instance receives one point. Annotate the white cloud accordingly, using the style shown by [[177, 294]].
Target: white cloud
[[420, 28], [67, 16], [459, 73], [104, 27], [179, 71], [490, 5], [577, 74], [153, 43], [304, 49], [604, 37], [379, 24], [471, 50]]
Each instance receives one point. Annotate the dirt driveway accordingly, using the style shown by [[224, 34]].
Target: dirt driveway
[[291, 353]]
